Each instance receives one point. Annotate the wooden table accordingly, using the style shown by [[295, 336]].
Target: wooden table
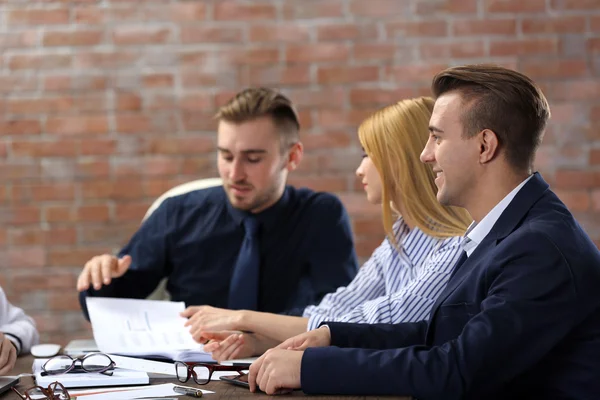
[[222, 390]]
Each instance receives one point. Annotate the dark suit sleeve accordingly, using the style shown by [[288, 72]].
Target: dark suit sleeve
[[529, 308], [376, 336], [148, 249], [332, 259]]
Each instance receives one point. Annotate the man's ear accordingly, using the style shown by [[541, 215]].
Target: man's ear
[[489, 146], [295, 156]]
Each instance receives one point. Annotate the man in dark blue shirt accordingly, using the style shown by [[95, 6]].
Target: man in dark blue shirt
[[253, 243]]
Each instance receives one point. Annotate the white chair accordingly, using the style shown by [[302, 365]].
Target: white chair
[[160, 293]]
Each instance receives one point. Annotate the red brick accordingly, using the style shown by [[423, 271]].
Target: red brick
[[554, 68], [347, 31], [582, 89], [41, 61], [43, 192], [515, 6], [593, 45], [192, 144], [235, 11], [320, 183], [125, 35], [18, 170], [38, 17], [128, 101], [87, 125], [90, 147], [463, 49], [575, 179], [74, 83], [158, 80], [484, 27], [192, 11], [72, 38], [20, 215], [365, 246], [157, 166], [554, 25], [313, 9], [249, 56], [378, 8], [44, 148], [595, 156], [196, 101], [327, 140], [595, 23], [198, 121], [160, 101], [20, 127], [55, 105], [414, 29], [133, 211], [318, 52], [197, 166], [64, 301], [428, 7], [326, 97], [18, 39], [528, 46], [596, 200], [278, 75], [195, 78], [279, 33], [591, 5], [383, 97], [193, 58], [76, 257], [368, 226], [122, 189], [374, 51], [17, 83], [347, 74], [3, 235], [47, 237], [139, 123], [106, 59], [413, 73], [90, 15], [3, 151], [212, 34], [26, 257], [73, 214], [89, 168], [342, 119]]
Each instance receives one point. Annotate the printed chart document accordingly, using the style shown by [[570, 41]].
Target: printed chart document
[[143, 328]]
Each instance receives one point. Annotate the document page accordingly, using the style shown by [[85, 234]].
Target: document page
[[132, 326]]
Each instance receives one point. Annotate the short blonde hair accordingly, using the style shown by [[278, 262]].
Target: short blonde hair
[[253, 103], [394, 138]]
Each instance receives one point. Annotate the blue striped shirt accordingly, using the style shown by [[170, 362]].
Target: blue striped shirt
[[393, 286]]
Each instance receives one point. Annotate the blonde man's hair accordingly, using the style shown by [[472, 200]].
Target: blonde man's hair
[[253, 103], [394, 138]]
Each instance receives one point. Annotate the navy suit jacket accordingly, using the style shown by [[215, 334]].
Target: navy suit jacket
[[520, 318]]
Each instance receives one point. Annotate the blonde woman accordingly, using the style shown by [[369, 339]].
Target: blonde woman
[[404, 275]]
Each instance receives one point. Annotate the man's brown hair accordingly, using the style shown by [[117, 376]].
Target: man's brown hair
[[502, 100], [253, 103]]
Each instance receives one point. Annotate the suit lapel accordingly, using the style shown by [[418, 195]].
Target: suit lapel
[[509, 220]]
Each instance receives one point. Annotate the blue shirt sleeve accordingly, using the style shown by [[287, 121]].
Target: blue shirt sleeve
[[148, 249]]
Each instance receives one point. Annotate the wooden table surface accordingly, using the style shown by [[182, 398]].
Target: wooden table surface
[[222, 390]]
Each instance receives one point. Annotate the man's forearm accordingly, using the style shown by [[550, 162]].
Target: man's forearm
[[274, 326]]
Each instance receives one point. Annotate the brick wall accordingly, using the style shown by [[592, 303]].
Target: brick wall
[[105, 104]]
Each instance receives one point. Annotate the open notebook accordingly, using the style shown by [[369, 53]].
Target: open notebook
[[143, 328]]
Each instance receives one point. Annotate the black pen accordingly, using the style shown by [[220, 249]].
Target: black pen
[[188, 391]]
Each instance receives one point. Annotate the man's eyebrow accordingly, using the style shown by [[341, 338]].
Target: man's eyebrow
[[249, 151], [434, 129]]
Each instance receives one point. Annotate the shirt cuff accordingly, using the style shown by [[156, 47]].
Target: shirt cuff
[[314, 321], [15, 340]]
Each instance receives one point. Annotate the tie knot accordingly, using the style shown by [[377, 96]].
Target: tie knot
[[251, 226]]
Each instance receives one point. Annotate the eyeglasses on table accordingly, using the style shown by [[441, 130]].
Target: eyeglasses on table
[[202, 372], [92, 362], [54, 391]]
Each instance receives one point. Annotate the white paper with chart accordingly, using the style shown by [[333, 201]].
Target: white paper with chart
[[143, 328]]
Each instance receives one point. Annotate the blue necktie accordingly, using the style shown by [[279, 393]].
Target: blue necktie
[[243, 290]]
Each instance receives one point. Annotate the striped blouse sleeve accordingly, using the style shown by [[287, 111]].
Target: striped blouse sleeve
[[368, 284], [413, 301]]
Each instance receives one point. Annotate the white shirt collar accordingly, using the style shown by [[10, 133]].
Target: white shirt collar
[[477, 232]]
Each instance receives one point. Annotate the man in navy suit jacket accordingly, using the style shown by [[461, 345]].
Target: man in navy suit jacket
[[520, 317]]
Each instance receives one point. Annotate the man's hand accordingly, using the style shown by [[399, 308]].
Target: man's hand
[[101, 269], [8, 355], [276, 372], [210, 319], [316, 338], [229, 345]]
